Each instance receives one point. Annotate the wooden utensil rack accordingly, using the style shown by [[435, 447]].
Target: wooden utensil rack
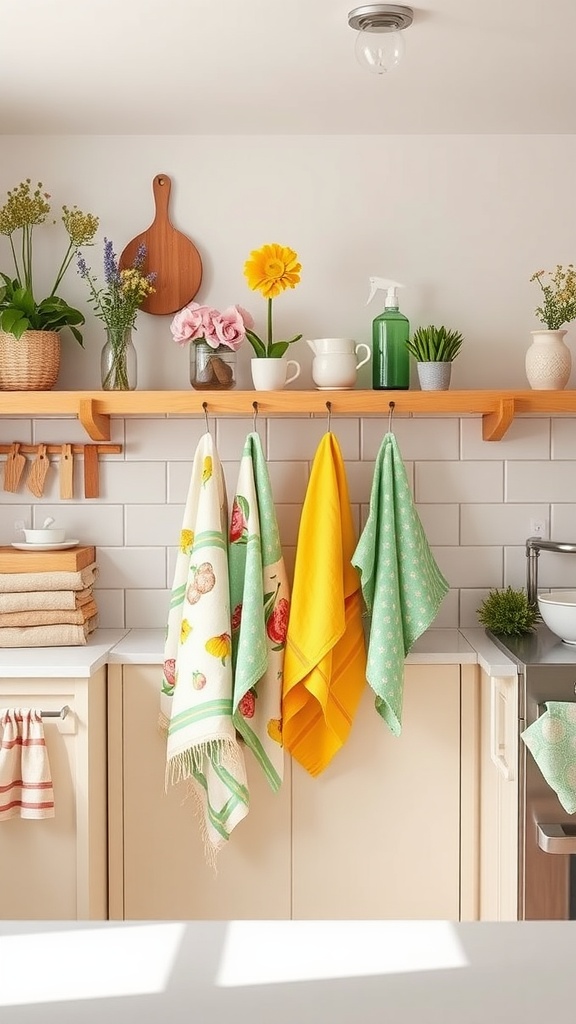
[[56, 449]]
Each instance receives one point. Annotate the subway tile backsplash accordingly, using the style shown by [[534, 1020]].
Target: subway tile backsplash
[[476, 499]]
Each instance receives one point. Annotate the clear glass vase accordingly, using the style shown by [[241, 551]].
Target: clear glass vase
[[212, 369], [119, 362]]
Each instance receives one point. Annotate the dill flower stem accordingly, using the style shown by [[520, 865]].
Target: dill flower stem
[[64, 266], [16, 267]]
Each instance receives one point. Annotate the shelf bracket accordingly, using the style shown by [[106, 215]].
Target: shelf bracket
[[495, 424], [96, 424]]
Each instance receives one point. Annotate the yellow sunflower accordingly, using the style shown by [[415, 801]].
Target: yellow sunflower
[[270, 271]]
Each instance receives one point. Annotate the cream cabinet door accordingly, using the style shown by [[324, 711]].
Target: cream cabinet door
[[157, 863], [57, 868], [377, 835], [499, 799]]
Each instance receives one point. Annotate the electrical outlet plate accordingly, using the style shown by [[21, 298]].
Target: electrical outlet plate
[[539, 528]]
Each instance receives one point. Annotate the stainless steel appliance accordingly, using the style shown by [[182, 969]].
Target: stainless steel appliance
[[547, 833]]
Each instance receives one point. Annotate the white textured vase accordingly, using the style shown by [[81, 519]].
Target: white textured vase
[[548, 361], [434, 376]]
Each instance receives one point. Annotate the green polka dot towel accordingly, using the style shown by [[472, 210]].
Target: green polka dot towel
[[402, 585], [551, 740]]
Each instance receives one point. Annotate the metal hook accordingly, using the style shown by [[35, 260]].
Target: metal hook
[[205, 407], [255, 407], [329, 407], [391, 408]]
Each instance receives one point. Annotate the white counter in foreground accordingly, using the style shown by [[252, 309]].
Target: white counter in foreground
[[59, 662], [146, 647], [435, 647]]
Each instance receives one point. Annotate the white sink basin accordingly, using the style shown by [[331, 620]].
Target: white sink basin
[[558, 610]]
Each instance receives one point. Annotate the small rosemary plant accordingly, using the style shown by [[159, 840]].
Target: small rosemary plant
[[508, 612]]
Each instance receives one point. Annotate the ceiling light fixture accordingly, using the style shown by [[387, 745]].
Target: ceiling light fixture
[[379, 45]]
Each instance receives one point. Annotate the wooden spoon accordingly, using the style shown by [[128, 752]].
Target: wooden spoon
[[91, 471], [37, 476], [13, 468], [170, 254], [66, 472]]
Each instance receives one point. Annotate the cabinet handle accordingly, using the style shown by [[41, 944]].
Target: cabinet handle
[[553, 839], [498, 730]]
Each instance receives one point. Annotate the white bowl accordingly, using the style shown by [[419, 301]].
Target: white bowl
[[45, 536], [558, 609]]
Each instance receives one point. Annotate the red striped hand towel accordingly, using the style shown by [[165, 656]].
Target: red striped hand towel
[[25, 782]]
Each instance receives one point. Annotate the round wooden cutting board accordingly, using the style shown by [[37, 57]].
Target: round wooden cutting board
[[171, 254]]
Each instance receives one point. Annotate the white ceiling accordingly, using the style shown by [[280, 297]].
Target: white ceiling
[[282, 66]]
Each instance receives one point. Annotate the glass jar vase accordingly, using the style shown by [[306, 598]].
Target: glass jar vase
[[119, 362], [212, 369]]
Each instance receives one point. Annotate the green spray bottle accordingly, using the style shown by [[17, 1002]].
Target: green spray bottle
[[390, 331]]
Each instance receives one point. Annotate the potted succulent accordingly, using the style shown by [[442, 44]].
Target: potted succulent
[[30, 330], [434, 349]]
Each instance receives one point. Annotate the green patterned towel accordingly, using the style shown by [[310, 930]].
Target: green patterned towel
[[196, 699], [401, 582], [551, 740], [259, 597]]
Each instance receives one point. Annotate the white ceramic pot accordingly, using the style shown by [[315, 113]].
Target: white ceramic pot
[[434, 376], [548, 361], [273, 374]]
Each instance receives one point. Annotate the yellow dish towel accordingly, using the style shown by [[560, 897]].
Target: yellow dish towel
[[325, 659]]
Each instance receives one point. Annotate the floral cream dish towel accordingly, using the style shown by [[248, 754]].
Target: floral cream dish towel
[[402, 585], [196, 699], [260, 602], [325, 661], [26, 789], [551, 740]]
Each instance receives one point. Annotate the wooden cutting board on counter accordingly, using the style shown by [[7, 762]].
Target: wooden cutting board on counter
[[172, 255], [12, 560]]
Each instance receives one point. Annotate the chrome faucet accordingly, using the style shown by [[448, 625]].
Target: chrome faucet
[[534, 545]]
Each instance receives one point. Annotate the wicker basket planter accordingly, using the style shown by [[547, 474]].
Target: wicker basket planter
[[29, 363]]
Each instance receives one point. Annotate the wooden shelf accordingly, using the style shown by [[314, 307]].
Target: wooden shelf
[[94, 408]]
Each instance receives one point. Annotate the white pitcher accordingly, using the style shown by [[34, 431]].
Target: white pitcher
[[336, 362]]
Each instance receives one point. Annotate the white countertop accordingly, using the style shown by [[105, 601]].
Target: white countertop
[[62, 662], [146, 647]]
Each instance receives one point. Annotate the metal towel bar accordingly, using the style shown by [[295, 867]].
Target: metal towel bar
[[56, 714]]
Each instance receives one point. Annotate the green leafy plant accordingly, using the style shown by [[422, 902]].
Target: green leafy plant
[[19, 311], [508, 612], [434, 344], [559, 305]]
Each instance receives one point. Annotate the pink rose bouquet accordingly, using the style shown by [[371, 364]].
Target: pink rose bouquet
[[204, 323]]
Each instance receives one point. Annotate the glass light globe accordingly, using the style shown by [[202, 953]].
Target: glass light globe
[[378, 51]]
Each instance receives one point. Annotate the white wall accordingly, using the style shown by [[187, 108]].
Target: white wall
[[463, 220]]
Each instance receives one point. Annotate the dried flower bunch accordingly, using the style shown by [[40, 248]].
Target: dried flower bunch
[[117, 302], [559, 304], [22, 212], [270, 271]]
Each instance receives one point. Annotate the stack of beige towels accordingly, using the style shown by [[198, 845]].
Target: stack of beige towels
[[47, 609]]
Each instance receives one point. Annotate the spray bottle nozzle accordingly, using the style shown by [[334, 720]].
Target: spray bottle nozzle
[[389, 287]]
